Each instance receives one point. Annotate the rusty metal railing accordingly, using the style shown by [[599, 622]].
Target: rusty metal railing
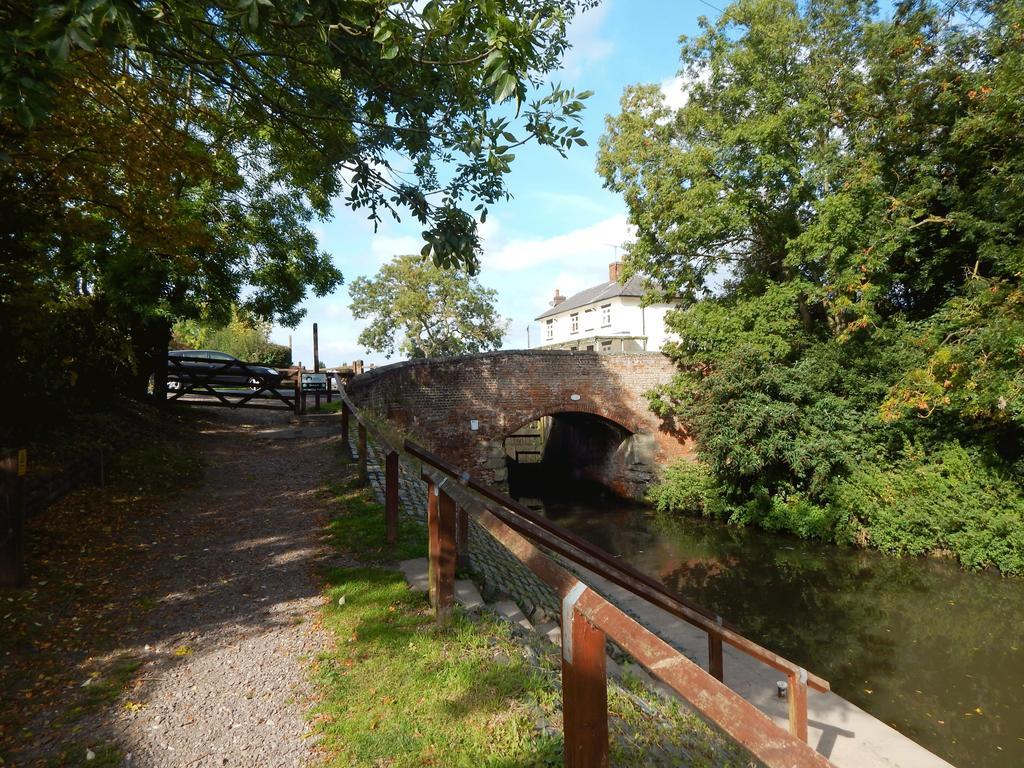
[[587, 617]]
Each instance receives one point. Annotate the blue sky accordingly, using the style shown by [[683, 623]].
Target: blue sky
[[560, 228]]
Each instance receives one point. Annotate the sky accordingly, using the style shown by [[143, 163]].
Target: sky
[[561, 229]]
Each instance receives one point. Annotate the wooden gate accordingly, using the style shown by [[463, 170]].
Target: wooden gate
[[223, 384]]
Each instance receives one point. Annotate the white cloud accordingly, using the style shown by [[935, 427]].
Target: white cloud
[[589, 45], [385, 247], [676, 90], [572, 249], [567, 283]]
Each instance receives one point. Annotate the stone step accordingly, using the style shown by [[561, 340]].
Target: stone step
[[418, 579], [511, 612], [551, 631], [416, 574]]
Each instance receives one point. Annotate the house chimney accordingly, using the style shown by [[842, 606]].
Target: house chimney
[[559, 298], [614, 271]]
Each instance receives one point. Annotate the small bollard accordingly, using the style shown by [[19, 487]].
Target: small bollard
[[783, 689]]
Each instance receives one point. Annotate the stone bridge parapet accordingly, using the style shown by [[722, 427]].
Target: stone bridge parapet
[[464, 407]]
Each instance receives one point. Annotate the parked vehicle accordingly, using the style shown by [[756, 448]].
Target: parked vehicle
[[186, 365]]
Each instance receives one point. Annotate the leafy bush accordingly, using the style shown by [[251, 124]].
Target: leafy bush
[[245, 338], [765, 429], [951, 498], [688, 487]]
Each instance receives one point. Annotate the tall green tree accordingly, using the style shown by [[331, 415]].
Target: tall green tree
[[167, 161], [425, 311], [840, 203]]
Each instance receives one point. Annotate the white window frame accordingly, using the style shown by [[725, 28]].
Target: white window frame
[[574, 322], [606, 315], [550, 333], [588, 319]]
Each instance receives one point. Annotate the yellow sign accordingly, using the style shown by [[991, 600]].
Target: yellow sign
[[22, 462]]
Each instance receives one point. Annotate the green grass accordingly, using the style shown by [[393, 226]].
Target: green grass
[[360, 528], [402, 691], [156, 469], [104, 755], [112, 681]]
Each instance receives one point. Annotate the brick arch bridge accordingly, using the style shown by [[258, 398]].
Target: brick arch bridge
[[464, 407]]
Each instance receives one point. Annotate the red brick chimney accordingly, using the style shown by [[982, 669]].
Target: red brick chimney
[[559, 298], [614, 271]]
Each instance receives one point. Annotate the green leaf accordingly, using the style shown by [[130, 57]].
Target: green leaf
[[82, 40], [506, 87], [58, 49]]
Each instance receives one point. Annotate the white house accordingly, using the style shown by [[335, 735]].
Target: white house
[[605, 318]]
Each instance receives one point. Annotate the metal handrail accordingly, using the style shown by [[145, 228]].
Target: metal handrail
[[531, 539], [583, 553]]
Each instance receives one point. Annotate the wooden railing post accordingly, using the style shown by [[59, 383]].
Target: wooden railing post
[[716, 662], [302, 391], [584, 688], [12, 518], [391, 497], [364, 477], [441, 548], [344, 428], [316, 363], [462, 539], [798, 704]]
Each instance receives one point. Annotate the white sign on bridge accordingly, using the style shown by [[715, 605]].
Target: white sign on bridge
[[314, 381]]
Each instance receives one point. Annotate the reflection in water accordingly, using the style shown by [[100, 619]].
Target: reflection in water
[[935, 652]]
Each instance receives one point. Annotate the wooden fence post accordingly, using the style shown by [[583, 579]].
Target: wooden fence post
[[302, 392], [391, 497], [101, 468], [364, 477], [584, 688], [441, 547], [798, 704], [716, 662], [12, 518], [344, 429], [316, 363], [462, 539]]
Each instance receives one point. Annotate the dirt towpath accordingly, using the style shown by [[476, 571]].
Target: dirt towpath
[[227, 572], [225, 672]]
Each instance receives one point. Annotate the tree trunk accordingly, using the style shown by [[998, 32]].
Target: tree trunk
[[151, 341]]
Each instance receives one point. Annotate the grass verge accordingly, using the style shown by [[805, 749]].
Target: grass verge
[[399, 690], [63, 635]]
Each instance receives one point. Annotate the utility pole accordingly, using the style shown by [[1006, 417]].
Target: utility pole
[[527, 336]]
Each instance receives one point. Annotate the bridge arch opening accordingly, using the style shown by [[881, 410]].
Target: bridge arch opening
[[567, 447]]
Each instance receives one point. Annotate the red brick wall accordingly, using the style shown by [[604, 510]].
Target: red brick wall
[[434, 400]]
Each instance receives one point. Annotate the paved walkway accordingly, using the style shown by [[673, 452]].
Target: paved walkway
[[845, 734]]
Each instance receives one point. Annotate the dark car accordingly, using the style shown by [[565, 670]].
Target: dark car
[[188, 365]]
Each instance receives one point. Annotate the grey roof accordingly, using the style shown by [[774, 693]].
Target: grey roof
[[633, 287]]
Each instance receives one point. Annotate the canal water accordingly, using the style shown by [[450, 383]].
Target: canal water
[[935, 652]]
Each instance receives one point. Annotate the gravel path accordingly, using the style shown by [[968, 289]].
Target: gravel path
[[224, 679]]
